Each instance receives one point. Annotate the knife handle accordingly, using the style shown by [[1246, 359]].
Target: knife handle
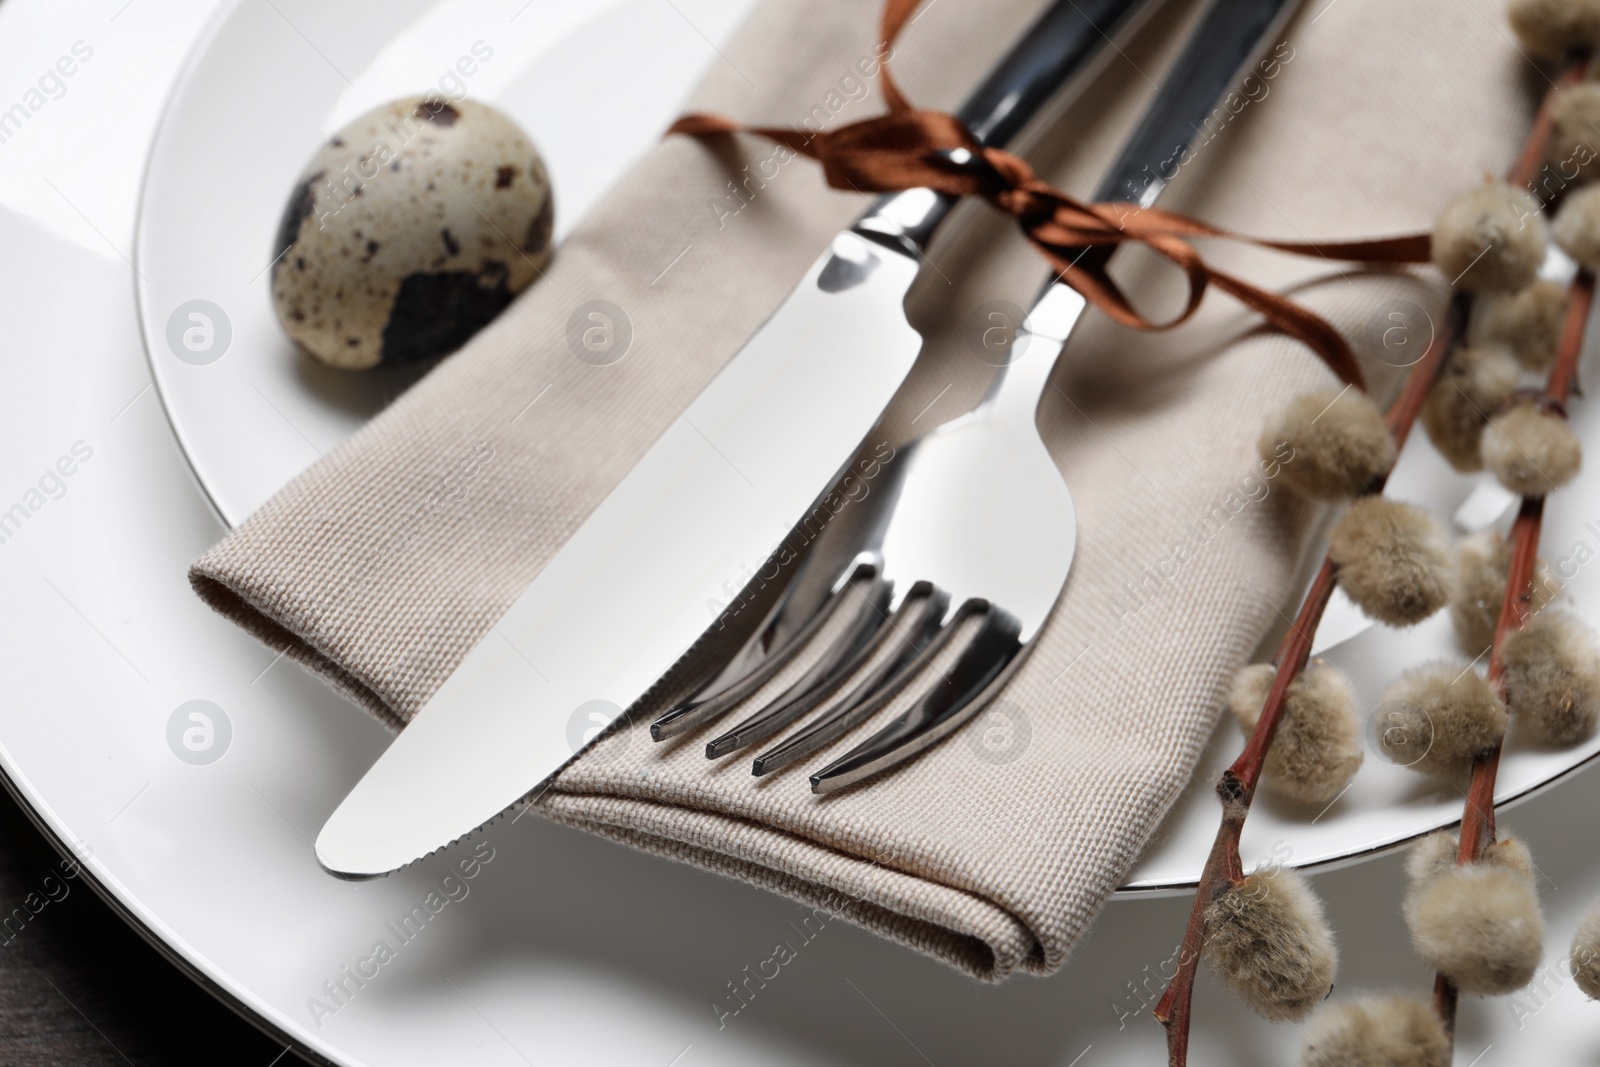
[[1060, 43], [1219, 55]]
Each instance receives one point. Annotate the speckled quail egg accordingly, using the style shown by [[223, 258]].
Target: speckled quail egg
[[411, 229]]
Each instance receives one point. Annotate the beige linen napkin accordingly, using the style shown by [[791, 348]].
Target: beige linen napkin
[[383, 564]]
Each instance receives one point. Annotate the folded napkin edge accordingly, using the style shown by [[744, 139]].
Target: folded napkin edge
[[240, 607], [989, 959]]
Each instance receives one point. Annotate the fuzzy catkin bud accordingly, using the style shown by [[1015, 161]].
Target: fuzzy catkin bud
[[1399, 1030], [1478, 925], [1585, 957], [1430, 857], [1436, 854], [1530, 451], [1471, 387], [1527, 323], [1574, 146], [1393, 560], [1552, 28], [1491, 240], [1317, 747], [1482, 561], [1577, 226], [1339, 440], [1511, 854], [1439, 717], [1552, 678], [1266, 937]]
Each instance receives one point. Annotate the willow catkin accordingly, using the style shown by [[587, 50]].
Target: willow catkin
[[1316, 749], [1482, 563], [1436, 853], [1479, 923], [1531, 451], [1473, 385], [1552, 28], [1430, 857], [1268, 940], [1577, 226], [1574, 116], [1398, 1030], [1340, 442], [1491, 239], [1392, 560], [1511, 854], [1585, 955], [1437, 718], [1480, 926], [1527, 323], [1551, 678]]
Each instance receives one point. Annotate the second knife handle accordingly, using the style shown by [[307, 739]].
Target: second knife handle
[[1059, 44]]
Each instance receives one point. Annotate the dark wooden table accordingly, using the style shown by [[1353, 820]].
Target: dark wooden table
[[80, 988]]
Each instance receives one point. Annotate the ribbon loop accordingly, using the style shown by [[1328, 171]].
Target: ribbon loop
[[909, 148]]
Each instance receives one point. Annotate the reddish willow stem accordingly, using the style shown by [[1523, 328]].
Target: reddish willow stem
[[1477, 819], [1237, 786], [1236, 789]]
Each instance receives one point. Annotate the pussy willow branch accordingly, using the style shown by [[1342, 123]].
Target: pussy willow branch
[[1477, 819], [1237, 787]]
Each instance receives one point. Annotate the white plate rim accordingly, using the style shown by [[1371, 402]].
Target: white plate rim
[[139, 251], [149, 926]]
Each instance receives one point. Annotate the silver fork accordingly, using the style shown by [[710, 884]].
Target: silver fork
[[972, 518]]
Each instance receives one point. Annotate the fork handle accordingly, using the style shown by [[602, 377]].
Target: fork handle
[[1221, 53], [1222, 56], [1060, 43]]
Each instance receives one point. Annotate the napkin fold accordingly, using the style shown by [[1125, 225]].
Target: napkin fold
[[383, 564]]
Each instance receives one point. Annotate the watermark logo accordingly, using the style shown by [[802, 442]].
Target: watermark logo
[[599, 333], [345, 185], [199, 332], [452, 888], [198, 732], [1154, 579], [52, 888], [1400, 732], [588, 720], [1001, 734], [1399, 332], [997, 332], [50, 85], [851, 489], [744, 987], [51, 486]]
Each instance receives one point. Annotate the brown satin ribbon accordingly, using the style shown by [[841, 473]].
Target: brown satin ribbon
[[909, 148]]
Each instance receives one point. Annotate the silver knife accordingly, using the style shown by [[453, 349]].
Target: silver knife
[[627, 596]]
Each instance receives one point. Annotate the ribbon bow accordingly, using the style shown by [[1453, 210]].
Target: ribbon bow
[[910, 147]]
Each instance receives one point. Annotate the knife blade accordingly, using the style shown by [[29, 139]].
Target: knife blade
[[627, 596]]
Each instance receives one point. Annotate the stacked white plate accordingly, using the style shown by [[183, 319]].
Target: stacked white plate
[[562, 948]]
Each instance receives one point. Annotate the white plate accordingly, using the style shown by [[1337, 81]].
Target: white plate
[[568, 949]]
